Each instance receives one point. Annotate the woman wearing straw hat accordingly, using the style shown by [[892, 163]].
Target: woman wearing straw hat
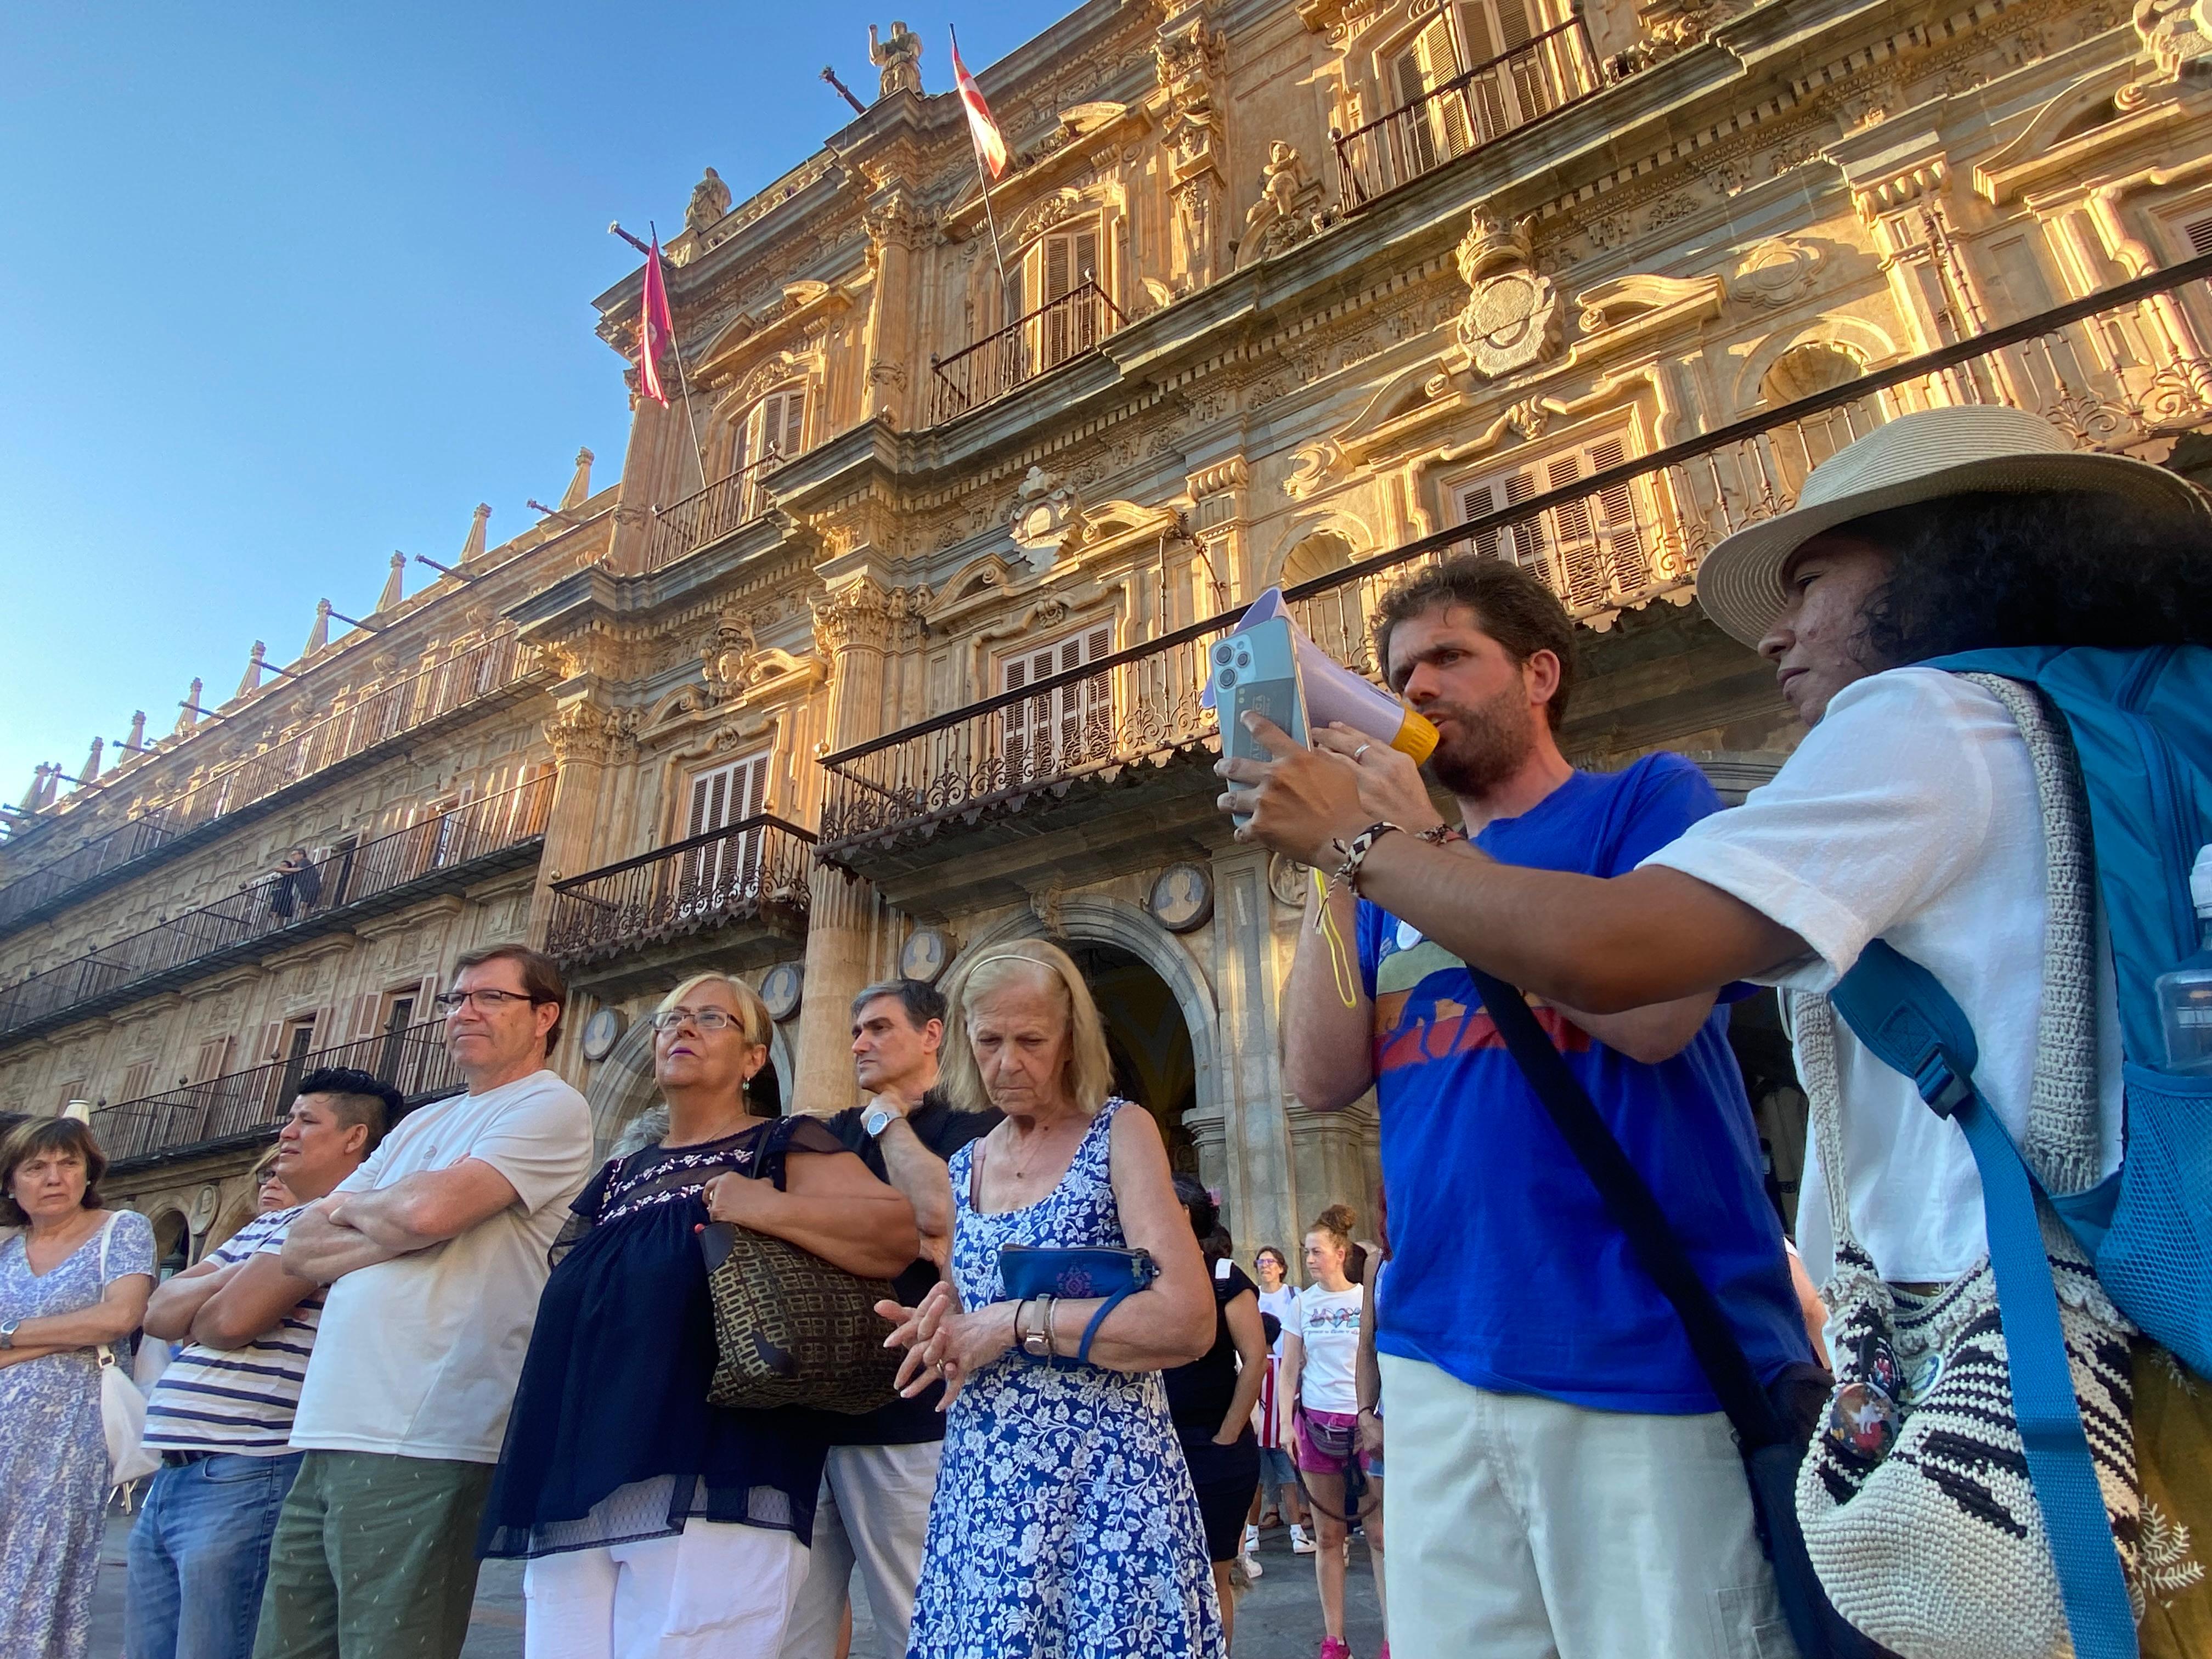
[[1911, 813]]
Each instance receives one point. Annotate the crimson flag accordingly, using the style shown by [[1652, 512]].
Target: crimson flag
[[655, 328]]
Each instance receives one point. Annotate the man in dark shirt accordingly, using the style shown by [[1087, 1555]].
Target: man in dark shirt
[[874, 1505]]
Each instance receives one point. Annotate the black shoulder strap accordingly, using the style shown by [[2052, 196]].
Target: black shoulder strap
[[1629, 1201]]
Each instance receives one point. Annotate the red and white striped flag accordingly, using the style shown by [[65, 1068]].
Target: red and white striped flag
[[990, 142], [656, 327]]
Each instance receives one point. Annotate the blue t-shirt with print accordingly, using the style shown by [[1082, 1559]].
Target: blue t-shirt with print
[[1506, 1271]]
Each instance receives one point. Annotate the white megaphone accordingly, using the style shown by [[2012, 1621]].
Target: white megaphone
[[1333, 693]]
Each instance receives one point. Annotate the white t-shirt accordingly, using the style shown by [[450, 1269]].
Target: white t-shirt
[[418, 1357], [1281, 1302], [1909, 813], [1327, 1323]]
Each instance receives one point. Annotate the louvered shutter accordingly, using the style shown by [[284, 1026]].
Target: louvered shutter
[[2199, 233], [1627, 564], [137, 1082], [1582, 566], [367, 1014], [271, 1035], [214, 1059], [1013, 719]]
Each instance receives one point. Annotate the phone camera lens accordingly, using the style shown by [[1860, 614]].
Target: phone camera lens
[[1221, 653], [1228, 678]]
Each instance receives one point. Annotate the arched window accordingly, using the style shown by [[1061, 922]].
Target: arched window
[[1335, 619], [1802, 371], [773, 430]]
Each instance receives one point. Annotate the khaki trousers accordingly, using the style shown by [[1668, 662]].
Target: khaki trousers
[[1521, 1527]]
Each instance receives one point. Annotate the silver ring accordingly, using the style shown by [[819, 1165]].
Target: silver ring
[[1362, 750]]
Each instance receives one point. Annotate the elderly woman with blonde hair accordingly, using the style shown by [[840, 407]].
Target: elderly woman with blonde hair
[[652, 1522], [1065, 1520]]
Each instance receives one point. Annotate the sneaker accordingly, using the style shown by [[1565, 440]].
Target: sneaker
[[1335, 1647], [1251, 1539], [1300, 1544], [1252, 1567]]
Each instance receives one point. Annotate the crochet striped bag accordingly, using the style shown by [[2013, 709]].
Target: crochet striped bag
[[1915, 1496]]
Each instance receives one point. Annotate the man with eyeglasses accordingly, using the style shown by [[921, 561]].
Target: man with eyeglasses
[[874, 1503], [435, 1252]]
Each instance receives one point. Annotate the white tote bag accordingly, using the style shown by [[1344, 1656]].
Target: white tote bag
[[122, 1407]]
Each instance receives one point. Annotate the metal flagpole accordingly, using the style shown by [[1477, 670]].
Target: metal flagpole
[[983, 177], [675, 350]]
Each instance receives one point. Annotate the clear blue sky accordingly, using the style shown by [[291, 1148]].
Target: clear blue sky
[[284, 288]]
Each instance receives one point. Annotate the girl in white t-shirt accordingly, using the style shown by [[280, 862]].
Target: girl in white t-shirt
[[1278, 1477], [1321, 1414]]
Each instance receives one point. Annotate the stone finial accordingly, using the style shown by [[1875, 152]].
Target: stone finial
[[252, 681], [580, 487], [137, 741], [392, 583], [188, 714], [92, 762], [473, 548], [710, 200], [35, 798], [899, 56], [320, 635]]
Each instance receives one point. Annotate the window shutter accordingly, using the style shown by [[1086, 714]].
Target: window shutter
[[271, 1035], [1627, 566], [426, 1001], [1058, 280], [1013, 719], [365, 1014], [2199, 233], [214, 1059], [137, 1081], [1086, 258]]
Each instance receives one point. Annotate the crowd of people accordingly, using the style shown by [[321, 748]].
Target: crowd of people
[[454, 1334]]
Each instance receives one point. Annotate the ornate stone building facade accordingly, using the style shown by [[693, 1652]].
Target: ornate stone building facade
[[890, 644]]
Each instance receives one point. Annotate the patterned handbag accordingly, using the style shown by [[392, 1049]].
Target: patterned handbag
[[1916, 1501], [790, 1328]]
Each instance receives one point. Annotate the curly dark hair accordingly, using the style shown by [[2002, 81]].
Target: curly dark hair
[[2066, 567], [1510, 605]]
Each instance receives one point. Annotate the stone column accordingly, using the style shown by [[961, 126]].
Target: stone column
[[853, 625], [586, 736], [893, 229], [1262, 1188]]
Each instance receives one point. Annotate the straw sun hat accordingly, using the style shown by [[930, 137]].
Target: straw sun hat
[[1919, 458]]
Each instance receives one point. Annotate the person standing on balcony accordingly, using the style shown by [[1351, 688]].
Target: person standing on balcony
[[435, 1253], [873, 1509], [1563, 1479], [220, 1416], [73, 1281]]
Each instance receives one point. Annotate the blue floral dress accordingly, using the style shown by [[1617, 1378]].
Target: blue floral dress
[[1065, 1524], [54, 1449]]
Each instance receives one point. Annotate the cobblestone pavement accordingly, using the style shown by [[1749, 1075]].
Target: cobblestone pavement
[[1279, 1618]]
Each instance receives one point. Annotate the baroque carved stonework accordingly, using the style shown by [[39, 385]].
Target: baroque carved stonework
[[585, 732], [1511, 319], [866, 615]]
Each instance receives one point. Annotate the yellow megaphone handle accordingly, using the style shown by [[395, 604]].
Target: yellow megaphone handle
[[1416, 738]]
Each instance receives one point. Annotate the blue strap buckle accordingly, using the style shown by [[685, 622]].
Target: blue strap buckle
[[1941, 1085]]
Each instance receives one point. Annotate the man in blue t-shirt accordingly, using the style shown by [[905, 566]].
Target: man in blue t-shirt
[[1562, 1481]]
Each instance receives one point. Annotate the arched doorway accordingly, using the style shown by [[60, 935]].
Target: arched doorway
[[621, 1088], [1148, 1037]]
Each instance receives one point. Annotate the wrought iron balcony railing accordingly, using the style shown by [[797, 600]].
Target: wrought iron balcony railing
[[253, 1103], [1525, 84], [753, 870], [707, 515], [1053, 333], [480, 673], [442, 850], [2114, 370]]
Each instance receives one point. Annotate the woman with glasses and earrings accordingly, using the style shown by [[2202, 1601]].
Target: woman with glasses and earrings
[[654, 1522]]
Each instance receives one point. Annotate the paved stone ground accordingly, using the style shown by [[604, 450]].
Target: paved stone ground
[[1279, 1618]]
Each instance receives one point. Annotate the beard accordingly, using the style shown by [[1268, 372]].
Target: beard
[[1489, 742]]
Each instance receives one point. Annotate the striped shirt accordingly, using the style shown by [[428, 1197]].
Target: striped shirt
[[239, 1401]]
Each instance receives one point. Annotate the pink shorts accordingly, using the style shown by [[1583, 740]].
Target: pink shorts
[[1311, 1458]]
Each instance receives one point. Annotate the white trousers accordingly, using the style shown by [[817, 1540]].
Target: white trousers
[[1521, 1527], [717, 1590], [874, 1510]]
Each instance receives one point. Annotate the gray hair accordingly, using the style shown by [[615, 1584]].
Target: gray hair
[[922, 1002]]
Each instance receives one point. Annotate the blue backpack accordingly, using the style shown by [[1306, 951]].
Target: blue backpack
[[2141, 725]]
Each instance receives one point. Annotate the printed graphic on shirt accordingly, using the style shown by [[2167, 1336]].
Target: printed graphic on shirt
[[1325, 1317], [1424, 1009]]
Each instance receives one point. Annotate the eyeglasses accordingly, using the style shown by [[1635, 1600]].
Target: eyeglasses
[[701, 1019], [490, 1002]]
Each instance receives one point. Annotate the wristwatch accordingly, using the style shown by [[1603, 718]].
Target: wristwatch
[[876, 1119], [8, 1333]]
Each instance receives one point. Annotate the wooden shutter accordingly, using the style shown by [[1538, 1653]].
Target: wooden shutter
[[367, 1014], [137, 1082], [1067, 259], [214, 1059], [1437, 129], [272, 1034], [782, 418], [2199, 233], [1626, 560], [728, 794], [1047, 734]]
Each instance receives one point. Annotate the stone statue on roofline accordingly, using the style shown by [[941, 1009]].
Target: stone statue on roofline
[[899, 56], [710, 200]]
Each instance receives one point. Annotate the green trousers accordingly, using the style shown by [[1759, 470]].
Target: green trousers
[[374, 1557]]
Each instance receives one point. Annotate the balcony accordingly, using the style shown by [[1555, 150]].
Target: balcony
[[707, 515], [446, 852], [1056, 332], [481, 676], [244, 1107], [1122, 748], [645, 917], [1533, 80]]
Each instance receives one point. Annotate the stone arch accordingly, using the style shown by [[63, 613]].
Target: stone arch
[[1810, 367], [1107, 921], [623, 1087], [1853, 334], [173, 1240]]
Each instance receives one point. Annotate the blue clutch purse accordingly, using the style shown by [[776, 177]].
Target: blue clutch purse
[[1076, 1274]]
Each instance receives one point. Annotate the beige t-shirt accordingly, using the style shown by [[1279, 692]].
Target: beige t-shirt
[[418, 1357]]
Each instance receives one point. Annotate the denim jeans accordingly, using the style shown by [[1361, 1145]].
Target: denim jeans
[[199, 1554]]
